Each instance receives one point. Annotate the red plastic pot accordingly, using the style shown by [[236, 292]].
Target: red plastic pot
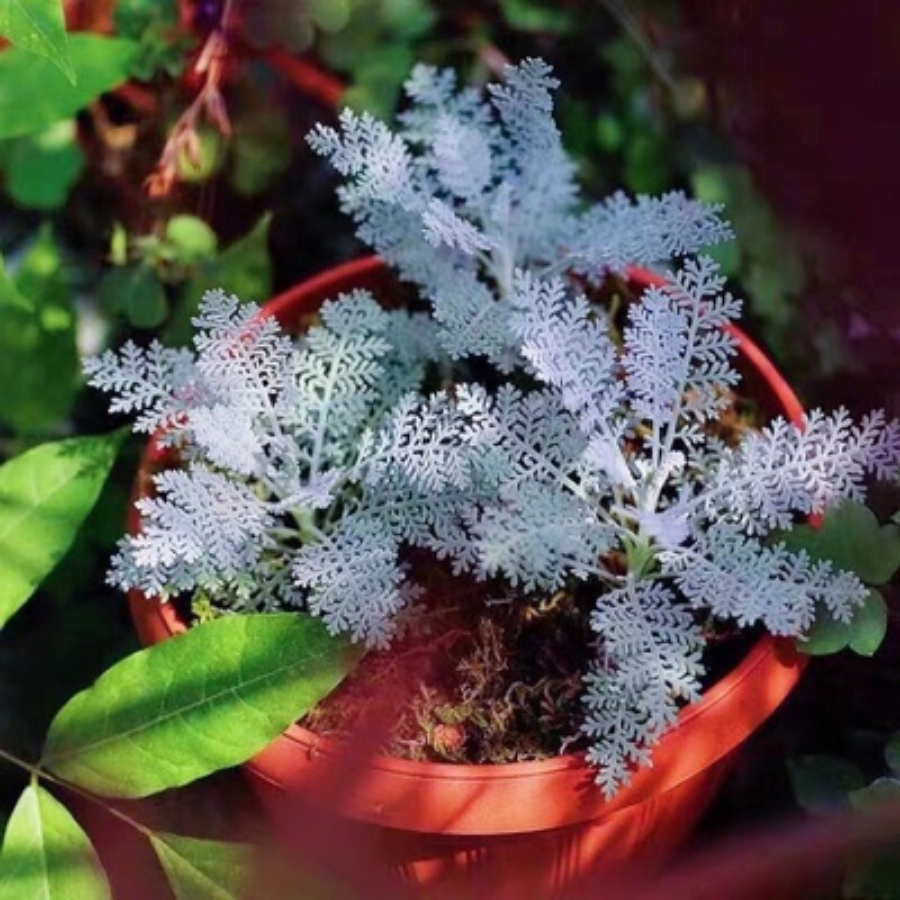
[[522, 829]]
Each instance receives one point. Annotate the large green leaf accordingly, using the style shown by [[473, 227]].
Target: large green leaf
[[45, 494], [204, 870], [36, 395], [199, 702], [34, 94], [38, 26], [46, 854]]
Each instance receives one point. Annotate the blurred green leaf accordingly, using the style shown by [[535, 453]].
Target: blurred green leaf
[[377, 81], [202, 869], [823, 784], [609, 132], [329, 15], [196, 703], [209, 159], [9, 294], [190, 239], [136, 292], [45, 495], [527, 15], [243, 268], [851, 538], [647, 165], [37, 396], [261, 149], [132, 17], [46, 854], [41, 168], [34, 94], [39, 27]]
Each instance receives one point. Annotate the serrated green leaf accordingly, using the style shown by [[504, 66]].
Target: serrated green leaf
[[199, 702], [37, 396], [46, 854], [824, 783], [39, 27], [45, 495], [869, 625], [851, 538], [200, 869], [34, 95], [41, 168]]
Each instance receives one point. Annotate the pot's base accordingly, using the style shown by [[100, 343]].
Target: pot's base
[[360, 859]]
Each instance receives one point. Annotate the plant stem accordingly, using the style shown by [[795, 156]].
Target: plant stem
[[37, 772]]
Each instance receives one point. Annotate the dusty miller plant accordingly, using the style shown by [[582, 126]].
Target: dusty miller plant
[[308, 466]]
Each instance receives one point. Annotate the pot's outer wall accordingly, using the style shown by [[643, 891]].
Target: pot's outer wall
[[519, 829]]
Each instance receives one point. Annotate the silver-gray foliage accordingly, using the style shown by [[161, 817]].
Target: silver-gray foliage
[[309, 465]]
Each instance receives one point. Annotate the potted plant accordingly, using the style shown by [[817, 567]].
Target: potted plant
[[540, 443]]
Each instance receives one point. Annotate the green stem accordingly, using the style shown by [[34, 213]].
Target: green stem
[[37, 772]]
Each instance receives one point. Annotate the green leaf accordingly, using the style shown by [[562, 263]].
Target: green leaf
[[41, 168], [45, 495], [34, 95], [526, 15], [824, 783], [243, 268], [136, 292], [261, 149], [329, 15], [851, 538], [190, 238], [199, 702], [38, 26], [377, 80], [869, 625], [202, 869], [47, 855], [209, 158], [9, 293], [36, 396], [826, 636]]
